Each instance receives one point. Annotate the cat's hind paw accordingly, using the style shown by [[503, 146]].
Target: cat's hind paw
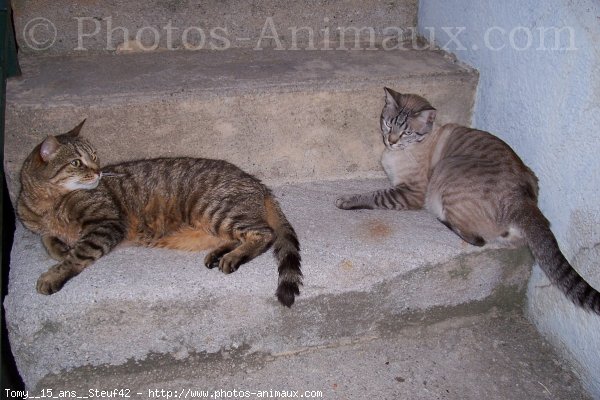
[[212, 260], [226, 263], [230, 262]]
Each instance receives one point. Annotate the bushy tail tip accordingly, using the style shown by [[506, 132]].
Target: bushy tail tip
[[287, 252]]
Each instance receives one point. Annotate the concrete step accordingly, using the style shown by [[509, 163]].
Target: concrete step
[[284, 116], [496, 355], [366, 273], [104, 26]]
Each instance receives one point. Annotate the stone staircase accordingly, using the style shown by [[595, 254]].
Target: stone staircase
[[306, 122]]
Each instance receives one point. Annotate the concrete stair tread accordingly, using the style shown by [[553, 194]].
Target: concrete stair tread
[[361, 268], [54, 81]]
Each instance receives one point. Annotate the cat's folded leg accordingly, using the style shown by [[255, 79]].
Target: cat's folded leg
[[98, 239], [254, 242], [56, 248]]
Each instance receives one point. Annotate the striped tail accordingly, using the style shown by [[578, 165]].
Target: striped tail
[[287, 252], [544, 247]]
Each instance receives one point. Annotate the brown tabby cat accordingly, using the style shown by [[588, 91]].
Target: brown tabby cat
[[472, 182], [190, 204]]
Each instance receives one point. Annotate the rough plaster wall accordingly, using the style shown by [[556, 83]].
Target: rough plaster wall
[[546, 104]]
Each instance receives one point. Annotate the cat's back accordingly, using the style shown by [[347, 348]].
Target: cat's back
[[175, 183], [468, 157], [462, 141], [183, 172], [474, 147]]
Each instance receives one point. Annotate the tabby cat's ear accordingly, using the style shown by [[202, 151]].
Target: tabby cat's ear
[[75, 131], [49, 148], [390, 97]]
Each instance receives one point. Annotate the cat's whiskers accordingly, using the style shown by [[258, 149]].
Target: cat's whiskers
[[110, 174]]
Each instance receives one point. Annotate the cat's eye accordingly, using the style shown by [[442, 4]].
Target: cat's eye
[[76, 163]]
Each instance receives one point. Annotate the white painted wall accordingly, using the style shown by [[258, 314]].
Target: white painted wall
[[546, 104]]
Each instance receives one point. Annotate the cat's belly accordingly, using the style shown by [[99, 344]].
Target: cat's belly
[[190, 239], [185, 238]]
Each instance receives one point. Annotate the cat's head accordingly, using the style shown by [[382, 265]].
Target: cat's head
[[63, 163], [405, 119]]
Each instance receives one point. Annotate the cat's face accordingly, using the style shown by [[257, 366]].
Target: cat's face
[[65, 163], [405, 119]]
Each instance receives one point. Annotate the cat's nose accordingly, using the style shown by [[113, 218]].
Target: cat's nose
[[393, 138]]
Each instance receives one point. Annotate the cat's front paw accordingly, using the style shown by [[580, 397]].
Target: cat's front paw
[[347, 203], [343, 202], [51, 281]]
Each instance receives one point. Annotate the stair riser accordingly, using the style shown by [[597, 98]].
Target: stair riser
[[292, 137], [459, 357], [95, 25]]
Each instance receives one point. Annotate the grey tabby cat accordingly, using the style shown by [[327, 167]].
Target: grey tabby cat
[[473, 182], [190, 204]]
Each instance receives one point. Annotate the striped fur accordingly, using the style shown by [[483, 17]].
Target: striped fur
[[473, 182], [191, 204]]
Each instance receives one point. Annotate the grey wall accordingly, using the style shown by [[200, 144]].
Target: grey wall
[[542, 96]]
